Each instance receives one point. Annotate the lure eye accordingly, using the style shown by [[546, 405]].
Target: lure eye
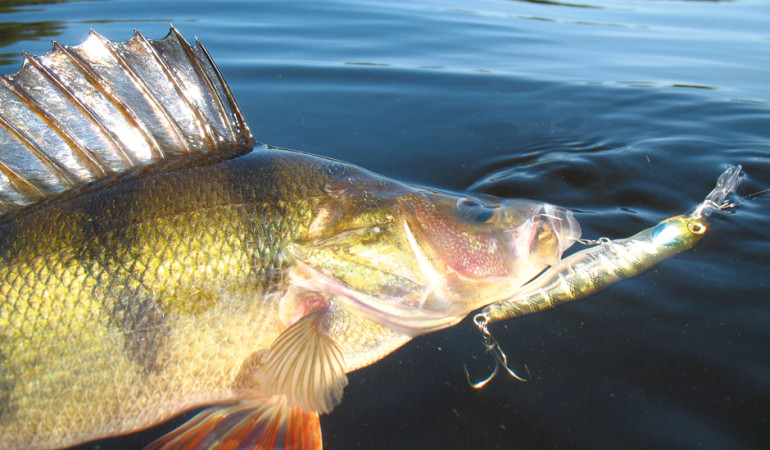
[[696, 228], [475, 210]]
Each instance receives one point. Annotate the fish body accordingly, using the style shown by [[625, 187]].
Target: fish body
[[125, 306], [131, 303]]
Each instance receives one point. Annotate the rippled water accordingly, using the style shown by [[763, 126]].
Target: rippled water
[[625, 111]]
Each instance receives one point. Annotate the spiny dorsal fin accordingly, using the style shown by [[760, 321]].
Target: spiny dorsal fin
[[80, 114]]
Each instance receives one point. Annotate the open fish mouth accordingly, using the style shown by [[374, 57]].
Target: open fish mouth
[[554, 226]]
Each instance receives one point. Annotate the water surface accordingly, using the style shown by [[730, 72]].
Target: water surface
[[625, 111]]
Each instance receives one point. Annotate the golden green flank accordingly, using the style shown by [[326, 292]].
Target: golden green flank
[[112, 304], [154, 258]]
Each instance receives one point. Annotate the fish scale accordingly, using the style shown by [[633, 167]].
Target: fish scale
[[132, 302]]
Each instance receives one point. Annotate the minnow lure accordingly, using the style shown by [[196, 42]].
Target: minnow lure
[[609, 261]]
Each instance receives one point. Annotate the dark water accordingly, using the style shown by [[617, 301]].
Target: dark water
[[625, 111]]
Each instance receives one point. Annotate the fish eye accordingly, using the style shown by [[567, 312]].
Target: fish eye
[[475, 210], [696, 227]]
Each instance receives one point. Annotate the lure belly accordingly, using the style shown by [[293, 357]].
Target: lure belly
[[609, 261]]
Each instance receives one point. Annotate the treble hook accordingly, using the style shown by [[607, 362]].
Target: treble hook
[[491, 344]]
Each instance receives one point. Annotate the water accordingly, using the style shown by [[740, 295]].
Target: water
[[625, 111]]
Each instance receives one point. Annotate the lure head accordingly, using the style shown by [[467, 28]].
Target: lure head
[[417, 260], [679, 233]]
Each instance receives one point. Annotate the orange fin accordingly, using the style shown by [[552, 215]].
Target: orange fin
[[264, 423], [301, 375]]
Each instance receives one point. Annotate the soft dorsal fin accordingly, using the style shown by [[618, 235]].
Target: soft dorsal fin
[[80, 114]]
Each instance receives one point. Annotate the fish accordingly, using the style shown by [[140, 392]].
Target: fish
[[155, 258]]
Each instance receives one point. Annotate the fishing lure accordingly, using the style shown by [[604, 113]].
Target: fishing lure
[[608, 261]]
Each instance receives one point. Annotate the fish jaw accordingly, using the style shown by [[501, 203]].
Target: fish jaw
[[309, 284]]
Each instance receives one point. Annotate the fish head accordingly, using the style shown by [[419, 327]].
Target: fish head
[[418, 260], [481, 248]]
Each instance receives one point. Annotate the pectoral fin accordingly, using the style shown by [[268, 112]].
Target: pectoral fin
[[305, 365], [300, 376]]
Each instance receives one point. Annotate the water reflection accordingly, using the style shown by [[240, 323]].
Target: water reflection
[[552, 2], [12, 32], [10, 6]]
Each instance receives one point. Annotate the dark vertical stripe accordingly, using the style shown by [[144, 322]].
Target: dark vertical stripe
[[144, 328]]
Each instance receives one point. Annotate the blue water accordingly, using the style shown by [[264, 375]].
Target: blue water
[[625, 111]]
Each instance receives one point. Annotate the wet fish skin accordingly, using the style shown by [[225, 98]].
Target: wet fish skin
[[131, 303], [106, 298]]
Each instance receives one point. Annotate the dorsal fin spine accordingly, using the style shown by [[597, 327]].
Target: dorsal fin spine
[[242, 125], [22, 137], [83, 154], [98, 82], [146, 91], [175, 82], [101, 109], [23, 185], [37, 64], [191, 56]]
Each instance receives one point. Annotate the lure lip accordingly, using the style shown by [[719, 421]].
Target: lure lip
[[716, 200]]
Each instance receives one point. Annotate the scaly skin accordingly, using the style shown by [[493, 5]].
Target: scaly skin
[[139, 277], [123, 307]]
